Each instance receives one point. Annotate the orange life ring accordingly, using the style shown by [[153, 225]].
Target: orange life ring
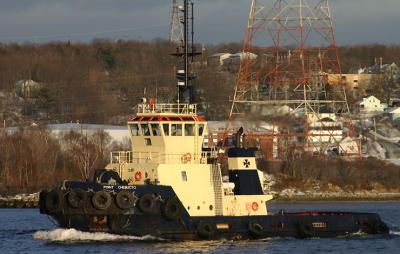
[[138, 175], [187, 157], [254, 206]]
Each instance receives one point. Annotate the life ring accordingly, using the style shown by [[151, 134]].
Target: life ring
[[76, 198], [138, 176], [205, 230], [101, 200], [172, 209], [255, 229], [187, 157], [254, 206], [146, 203], [125, 199], [53, 201]]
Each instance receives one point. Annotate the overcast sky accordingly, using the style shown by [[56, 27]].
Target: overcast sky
[[217, 21]]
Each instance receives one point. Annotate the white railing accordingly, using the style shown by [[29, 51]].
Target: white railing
[[167, 108], [160, 158]]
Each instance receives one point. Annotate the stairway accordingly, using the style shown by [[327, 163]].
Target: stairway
[[217, 184]]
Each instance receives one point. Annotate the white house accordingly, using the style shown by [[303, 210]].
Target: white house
[[236, 58], [371, 104], [218, 59], [395, 114], [324, 128]]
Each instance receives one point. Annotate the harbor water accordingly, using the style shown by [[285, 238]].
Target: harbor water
[[27, 231]]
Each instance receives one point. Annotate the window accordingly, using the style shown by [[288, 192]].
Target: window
[[189, 129], [201, 129], [176, 129], [147, 141], [155, 128], [134, 129], [145, 129], [166, 129], [184, 176]]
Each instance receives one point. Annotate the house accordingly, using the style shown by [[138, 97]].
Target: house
[[395, 114], [371, 104], [324, 128], [349, 146], [217, 59], [238, 57]]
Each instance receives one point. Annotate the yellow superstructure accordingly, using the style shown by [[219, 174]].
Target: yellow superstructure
[[167, 142]]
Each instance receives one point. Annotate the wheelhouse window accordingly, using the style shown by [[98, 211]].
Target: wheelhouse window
[[189, 129], [134, 127], [201, 129], [184, 176], [176, 129], [166, 129], [155, 128], [147, 141], [145, 129]]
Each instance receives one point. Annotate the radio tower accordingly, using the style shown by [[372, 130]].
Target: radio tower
[[176, 33], [297, 66]]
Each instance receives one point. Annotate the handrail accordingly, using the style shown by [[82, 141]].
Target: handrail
[[160, 158], [167, 108]]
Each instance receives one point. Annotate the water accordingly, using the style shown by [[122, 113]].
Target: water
[[27, 231]]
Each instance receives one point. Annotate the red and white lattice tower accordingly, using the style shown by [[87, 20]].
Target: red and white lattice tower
[[176, 26], [297, 66]]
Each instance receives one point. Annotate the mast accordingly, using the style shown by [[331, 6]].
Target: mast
[[186, 52]]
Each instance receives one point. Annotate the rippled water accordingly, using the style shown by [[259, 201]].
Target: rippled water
[[27, 231]]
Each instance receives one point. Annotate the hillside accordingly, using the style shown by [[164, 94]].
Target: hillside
[[102, 81]]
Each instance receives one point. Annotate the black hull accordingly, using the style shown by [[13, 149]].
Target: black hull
[[134, 221]]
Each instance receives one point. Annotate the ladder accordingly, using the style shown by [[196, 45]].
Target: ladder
[[217, 184]]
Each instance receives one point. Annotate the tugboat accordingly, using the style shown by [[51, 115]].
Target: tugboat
[[169, 186]]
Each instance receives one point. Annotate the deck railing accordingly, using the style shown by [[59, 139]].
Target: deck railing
[[160, 158], [167, 108]]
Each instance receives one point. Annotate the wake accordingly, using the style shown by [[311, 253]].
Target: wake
[[73, 235], [396, 233]]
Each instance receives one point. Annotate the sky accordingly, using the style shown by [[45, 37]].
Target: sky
[[217, 21]]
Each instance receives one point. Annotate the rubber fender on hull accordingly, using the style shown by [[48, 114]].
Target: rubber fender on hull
[[255, 229], [205, 230], [146, 203], [77, 198], [53, 201], [304, 230], [125, 199], [172, 209], [101, 200]]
